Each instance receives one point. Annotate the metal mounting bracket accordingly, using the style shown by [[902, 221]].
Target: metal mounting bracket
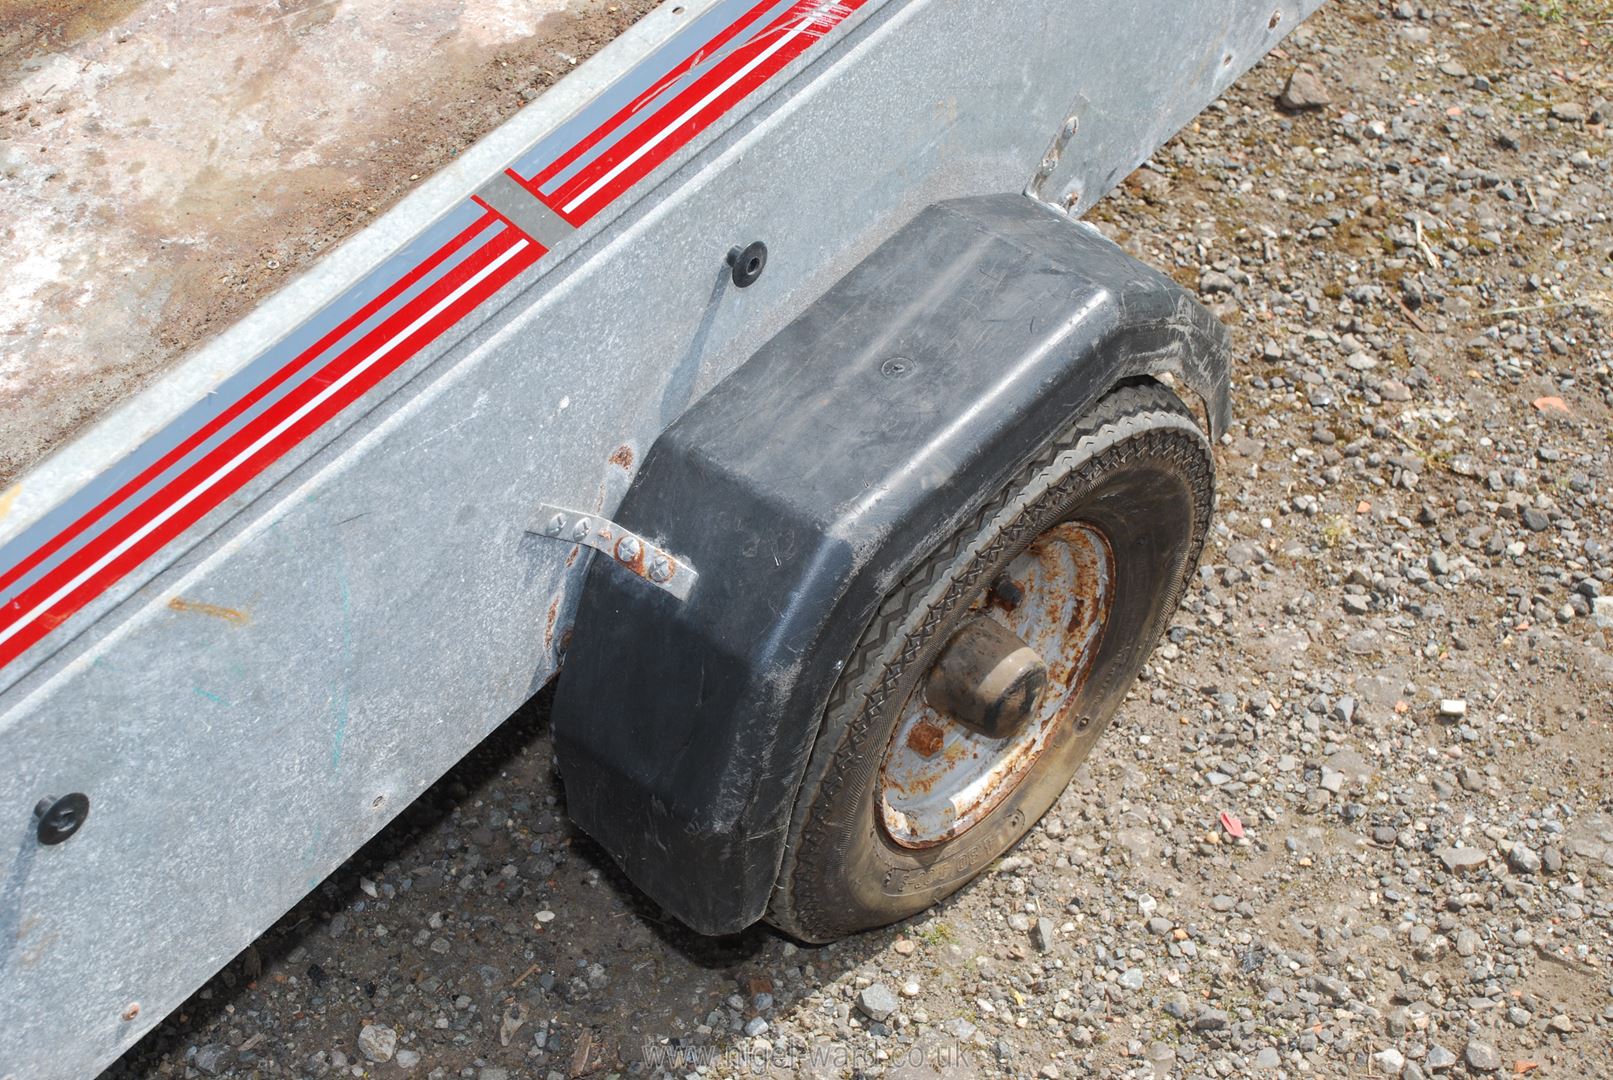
[[628, 549]]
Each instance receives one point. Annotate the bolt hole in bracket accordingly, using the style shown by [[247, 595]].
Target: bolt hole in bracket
[[627, 549]]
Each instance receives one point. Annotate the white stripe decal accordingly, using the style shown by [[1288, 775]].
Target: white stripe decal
[[263, 440], [698, 107]]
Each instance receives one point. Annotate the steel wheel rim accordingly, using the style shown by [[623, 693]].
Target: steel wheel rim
[[939, 777]]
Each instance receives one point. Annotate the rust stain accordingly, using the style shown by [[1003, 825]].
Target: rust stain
[[623, 456], [548, 629], [31, 956], [925, 739], [922, 785], [1007, 594], [196, 607], [1091, 614], [1078, 618]]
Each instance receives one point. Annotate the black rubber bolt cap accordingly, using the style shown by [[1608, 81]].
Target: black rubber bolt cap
[[61, 818], [748, 263]]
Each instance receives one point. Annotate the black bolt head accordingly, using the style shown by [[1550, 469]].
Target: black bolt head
[[61, 818], [747, 263]]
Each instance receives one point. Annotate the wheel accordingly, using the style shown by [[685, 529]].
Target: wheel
[[988, 674]]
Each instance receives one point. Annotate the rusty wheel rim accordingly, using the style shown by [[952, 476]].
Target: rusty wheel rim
[[941, 776]]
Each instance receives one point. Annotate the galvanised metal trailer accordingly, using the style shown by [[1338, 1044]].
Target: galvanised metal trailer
[[761, 370]]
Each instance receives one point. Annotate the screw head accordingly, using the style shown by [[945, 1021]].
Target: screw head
[[557, 524], [629, 549], [660, 569], [61, 818], [580, 530], [746, 264]]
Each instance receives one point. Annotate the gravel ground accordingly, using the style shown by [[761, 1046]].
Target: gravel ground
[[1355, 820]]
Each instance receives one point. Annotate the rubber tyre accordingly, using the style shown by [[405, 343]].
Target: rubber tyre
[[1139, 468]]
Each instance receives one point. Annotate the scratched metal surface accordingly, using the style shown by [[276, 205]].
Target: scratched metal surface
[[245, 711]]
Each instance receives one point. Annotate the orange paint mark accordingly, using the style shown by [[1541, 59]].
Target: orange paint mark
[[196, 607]]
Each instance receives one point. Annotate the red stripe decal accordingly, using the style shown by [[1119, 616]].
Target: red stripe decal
[[224, 418], [680, 120], [260, 457], [633, 107]]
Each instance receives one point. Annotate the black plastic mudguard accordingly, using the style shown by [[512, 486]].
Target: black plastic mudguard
[[802, 488]]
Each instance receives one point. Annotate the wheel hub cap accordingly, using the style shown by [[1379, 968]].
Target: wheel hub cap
[[987, 679], [1000, 689]]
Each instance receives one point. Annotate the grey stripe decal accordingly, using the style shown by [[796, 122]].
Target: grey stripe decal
[[525, 210]]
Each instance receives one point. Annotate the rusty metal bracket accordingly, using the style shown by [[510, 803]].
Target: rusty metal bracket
[[627, 548], [1037, 187]]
